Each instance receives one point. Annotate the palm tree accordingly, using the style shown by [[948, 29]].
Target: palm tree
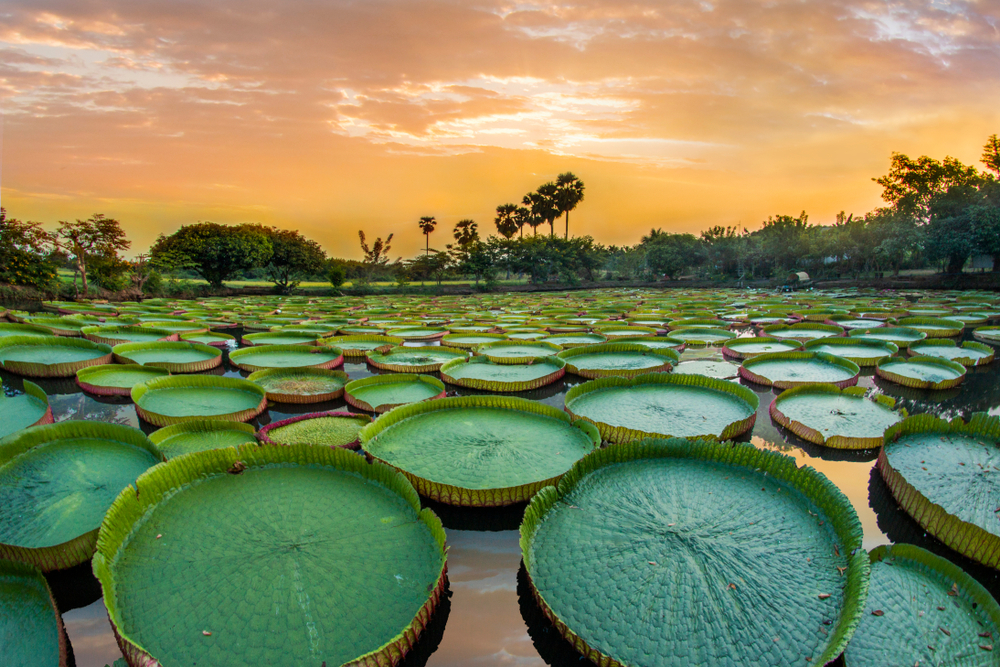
[[569, 193], [466, 231], [506, 220], [523, 217], [427, 225], [543, 206]]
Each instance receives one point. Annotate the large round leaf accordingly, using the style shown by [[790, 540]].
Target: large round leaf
[[200, 435], [320, 429], [270, 556], [839, 418], [31, 631], [178, 398], [676, 553], [381, 393], [30, 408], [50, 356]]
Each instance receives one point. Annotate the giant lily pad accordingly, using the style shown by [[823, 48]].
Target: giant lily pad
[[791, 369], [212, 338], [420, 333], [117, 334], [933, 326], [747, 348], [59, 326], [382, 393], [621, 359], [17, 329], [31, 630], [116, 379], [669, 553], [921, 372], [987, 334], [50, 356], [661, 404], [947, 477], [969, 353], [469, 341], [923, 610], [56, 482], [516, 351], [22, 411], [575, 339], [481, 373], [175, 357], [320, 429], [803, 331], [902, 337], [178, 398], [300, 385], [286, 356], [654, 342], [200, 435], [360, 345], [479, 450], [703, 337], [712, 368], [270, 556], [423, 359], [840, 418], [281, 338], [861, 351]]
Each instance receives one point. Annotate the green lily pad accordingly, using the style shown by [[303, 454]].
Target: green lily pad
[[116, 379], [479, 450], [661, 404], [670, 553], [178, 398], [481, 373], [320, 429], [200, 435], [946, 475], [381, 393], [31, 631], [424, 359], [419, 333], [654, 342], [286, 356], [300, 385], [803, 331], [968, 353], [270, 556], [621, 359], [859, 350], [902, 337], [468, 341], [711, 368], [50, 356], [921, 372], [933, 326], [703, 337], [357, 346], [791, 369], [280, 338], [747, 348], [987, 334], [114, 335], [923, 610], [575, 340], [209, 338], [838, 418], [176, 357], [516, 351], [56, 482], [18, 329], [22, 411]]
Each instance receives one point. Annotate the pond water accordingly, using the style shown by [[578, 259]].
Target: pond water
[[490, 617]]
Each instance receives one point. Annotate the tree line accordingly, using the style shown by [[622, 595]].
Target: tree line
[[937, 214]]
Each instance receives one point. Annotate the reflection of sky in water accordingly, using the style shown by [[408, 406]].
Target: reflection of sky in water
[[485, 625]]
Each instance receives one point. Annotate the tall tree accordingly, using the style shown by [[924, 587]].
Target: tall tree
[[991, 155], [542, 204], [293, 258], [911, 185], [378, 253], [569, 193], [427, 225], [98, 237], [506, 220], [466, 232], [523, 217], [25, 252], [217, 251]]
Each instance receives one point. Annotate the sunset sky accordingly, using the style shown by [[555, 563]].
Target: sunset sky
[[330, 117]]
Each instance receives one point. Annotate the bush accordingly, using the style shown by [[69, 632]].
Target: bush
[[336, 275]]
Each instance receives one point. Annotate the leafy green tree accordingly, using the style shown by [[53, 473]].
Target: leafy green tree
[[985, 224], [671, 254], [98, 237], [293, 257], [336, 274], [216, 251], [569, 193], [911, 186], [507, 220], [991, 155], [376, 256], [25, 254], [427, 225], [433, 266]]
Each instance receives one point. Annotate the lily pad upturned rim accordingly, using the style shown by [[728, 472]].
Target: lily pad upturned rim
[[63, 369], [667, 357], [123, 350], [993, 335], [387, 343], [85, 378], [814, 485], [834, 330], [623, 434], [726, 335], [29, 571], [576, 336], [401, 332], [558, 369], [392, 378], [461, 496], [916, 383], [236, 357], [947, 342], [452, 339], [938, 327], [95, 334], [198, 381], [901, 343], [728, 349], [80, 548], [161, 481], [812, 435], [485, 349], [383, 360], [967, 586], [32, 389], [301, 399], [890, 349], [250, 340], [747, 374], [159, 436], [353, 445], [221, 340], [964, 537]]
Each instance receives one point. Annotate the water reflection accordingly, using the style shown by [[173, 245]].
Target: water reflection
[[477, 518]]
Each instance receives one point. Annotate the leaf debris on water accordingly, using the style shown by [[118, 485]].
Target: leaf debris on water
[[823, 596]]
